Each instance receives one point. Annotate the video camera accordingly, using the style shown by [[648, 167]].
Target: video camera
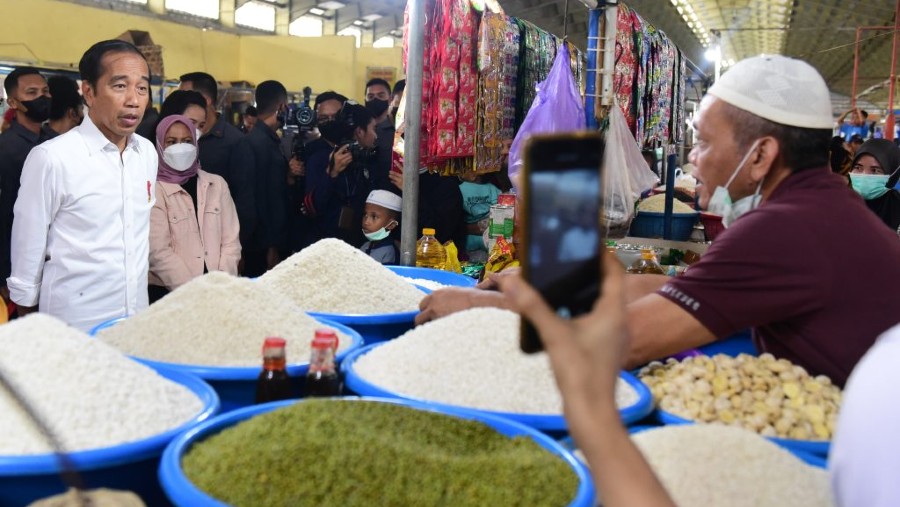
[[301, 119]]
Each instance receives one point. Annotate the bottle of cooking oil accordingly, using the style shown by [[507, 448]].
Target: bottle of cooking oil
[[647, 264], [430, 253]]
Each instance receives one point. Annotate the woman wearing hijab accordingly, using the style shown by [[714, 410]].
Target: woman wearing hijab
[[876, 169], [194, 226]]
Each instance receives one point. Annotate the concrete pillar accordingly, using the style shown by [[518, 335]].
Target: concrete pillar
[[226, 13], [282, 21], [157, 6]]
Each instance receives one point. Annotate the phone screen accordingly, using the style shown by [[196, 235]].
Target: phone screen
[[562, 225]]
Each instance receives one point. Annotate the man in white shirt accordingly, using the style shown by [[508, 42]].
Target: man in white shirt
[[91, 190]]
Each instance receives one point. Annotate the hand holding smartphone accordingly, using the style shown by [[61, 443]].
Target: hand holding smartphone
[[560, 224]]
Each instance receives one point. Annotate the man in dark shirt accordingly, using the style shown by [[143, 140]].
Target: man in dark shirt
[[224, 151], [271, 171], [29, 96], [318, 156], [378, 101], [803, 261]]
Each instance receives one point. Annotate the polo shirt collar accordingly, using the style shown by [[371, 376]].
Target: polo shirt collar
[[23, 132]]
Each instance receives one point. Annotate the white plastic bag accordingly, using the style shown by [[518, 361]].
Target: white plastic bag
[[626, 176]]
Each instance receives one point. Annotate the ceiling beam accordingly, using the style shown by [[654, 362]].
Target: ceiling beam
[[300, 8], [384, 26]]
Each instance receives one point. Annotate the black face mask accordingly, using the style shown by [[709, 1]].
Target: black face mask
[[280, 117], [331, 131], [377, 106], [37, 109]]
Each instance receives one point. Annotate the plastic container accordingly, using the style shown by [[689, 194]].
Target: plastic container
[[236, 385], [551, 424], [712, 224], [439, 276], [806, 457], [184, 494], [648, 224], [430, 253], [815, 447], [131, 466]]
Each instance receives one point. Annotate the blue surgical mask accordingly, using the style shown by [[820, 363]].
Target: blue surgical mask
[[378, 235], [720, 203], [869, 186]]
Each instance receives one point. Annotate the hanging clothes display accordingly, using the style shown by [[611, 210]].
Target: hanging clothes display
[[648, 79], [479, 80]]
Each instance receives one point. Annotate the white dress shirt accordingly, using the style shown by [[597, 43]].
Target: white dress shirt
[[865, 454], [80, 238]]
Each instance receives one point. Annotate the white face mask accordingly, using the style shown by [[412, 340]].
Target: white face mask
[[199, 133], [720, 203], [378, 235], [180, 156]]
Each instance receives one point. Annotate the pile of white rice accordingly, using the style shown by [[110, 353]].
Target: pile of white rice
[[331, 276], [216, 320], [89, 394], [657, 204], [471, 359], [703, 465], [428, 284]]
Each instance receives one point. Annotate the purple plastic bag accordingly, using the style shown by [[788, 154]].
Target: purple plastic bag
[[556, 108]]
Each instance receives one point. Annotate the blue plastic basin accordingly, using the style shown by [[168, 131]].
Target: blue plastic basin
[[815, 447], [130, 466], [552, 424], [649, 224], [184, 494], [236, 385], [435, 275]]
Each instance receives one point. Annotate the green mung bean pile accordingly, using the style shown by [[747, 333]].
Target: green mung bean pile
[[349, 453]]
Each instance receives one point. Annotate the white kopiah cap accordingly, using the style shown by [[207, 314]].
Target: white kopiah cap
[[780, 89], [385, 199]]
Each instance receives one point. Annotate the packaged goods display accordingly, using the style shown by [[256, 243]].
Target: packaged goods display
[[331, 276], [712, 464], [215, 320], [368, 453], [90, 395], [771, 397], [470, 359]]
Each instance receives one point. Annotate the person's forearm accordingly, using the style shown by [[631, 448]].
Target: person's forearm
[[638, 286], [622, 475], [489, 299]]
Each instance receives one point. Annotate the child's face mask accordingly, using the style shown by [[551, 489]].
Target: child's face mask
[[380, 234]]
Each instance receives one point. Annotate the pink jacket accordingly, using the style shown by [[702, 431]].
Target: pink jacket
[[181, 239]]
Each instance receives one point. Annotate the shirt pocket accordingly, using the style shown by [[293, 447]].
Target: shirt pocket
[[182, 226]]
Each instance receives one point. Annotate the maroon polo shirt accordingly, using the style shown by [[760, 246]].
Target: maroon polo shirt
[[812, 270]]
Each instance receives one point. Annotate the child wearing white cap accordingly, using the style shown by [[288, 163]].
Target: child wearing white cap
[[381, 216]]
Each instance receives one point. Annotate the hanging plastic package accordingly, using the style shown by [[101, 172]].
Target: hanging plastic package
[[626, 176], [557, 108]]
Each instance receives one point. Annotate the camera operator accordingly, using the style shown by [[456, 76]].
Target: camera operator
[[338, 182], [378, 101]]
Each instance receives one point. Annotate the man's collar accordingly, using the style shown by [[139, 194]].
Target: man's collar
[[97, 141], [218, 129], [23, 132]]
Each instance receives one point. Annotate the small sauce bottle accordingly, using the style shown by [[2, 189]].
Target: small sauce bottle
[[322, 378], [273, 383], [647, 264]]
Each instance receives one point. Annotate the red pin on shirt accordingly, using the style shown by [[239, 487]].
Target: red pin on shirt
[[148, 190]]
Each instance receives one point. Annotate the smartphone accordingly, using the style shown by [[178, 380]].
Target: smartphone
[[560, 243]]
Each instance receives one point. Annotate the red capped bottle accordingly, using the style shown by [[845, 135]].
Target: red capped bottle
[[273, 383], [322, 378]]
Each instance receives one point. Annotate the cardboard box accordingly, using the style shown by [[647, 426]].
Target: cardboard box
[[152, 52]]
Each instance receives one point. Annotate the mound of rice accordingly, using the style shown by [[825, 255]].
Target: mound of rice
[[331, 276], [90, 395], [471, 359], [216, 320], [657, 204], [428, 284], [712, 464]]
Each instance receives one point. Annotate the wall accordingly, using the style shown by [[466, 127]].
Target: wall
[[57, 34]]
